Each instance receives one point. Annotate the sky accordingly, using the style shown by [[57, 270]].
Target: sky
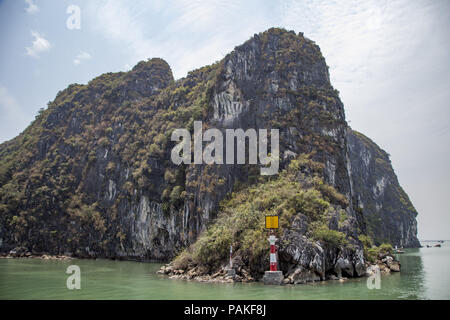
[[388, 59]]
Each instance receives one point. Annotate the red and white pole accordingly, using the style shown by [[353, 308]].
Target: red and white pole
[[273, 253]]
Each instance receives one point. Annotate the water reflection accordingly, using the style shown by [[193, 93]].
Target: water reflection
[[411, 280], [436, 264]]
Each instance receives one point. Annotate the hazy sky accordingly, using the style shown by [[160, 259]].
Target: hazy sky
[[388, 59]]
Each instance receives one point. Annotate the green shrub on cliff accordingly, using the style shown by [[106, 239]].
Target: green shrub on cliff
[[385, 248], [176, 194], [331, 237], [366, 241], [371, 252]]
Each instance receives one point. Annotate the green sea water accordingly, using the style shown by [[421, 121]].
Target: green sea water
[[425, 275]]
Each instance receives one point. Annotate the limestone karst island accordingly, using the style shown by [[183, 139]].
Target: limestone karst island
[[92, 175], [141, 185]]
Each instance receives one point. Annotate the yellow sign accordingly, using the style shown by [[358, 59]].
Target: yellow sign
[[271, 222]]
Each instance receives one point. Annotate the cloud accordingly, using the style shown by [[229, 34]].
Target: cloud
[[39, 45], [8, 104], [187, 34], [117, 22], [80, 57], [32, 7], [12, 116]]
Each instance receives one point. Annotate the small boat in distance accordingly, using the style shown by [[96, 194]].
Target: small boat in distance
[[437, 245], [396, 250]]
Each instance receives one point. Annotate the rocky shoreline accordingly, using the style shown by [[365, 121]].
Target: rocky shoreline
[[385, 264], [21, 252]]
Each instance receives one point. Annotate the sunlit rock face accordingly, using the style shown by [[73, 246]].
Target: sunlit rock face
[[94, 171]]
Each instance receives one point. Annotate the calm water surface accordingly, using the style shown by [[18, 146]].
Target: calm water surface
[[425, 275]]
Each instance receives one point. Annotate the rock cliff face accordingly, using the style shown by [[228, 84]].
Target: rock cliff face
[[389, 215], [92, 175]]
